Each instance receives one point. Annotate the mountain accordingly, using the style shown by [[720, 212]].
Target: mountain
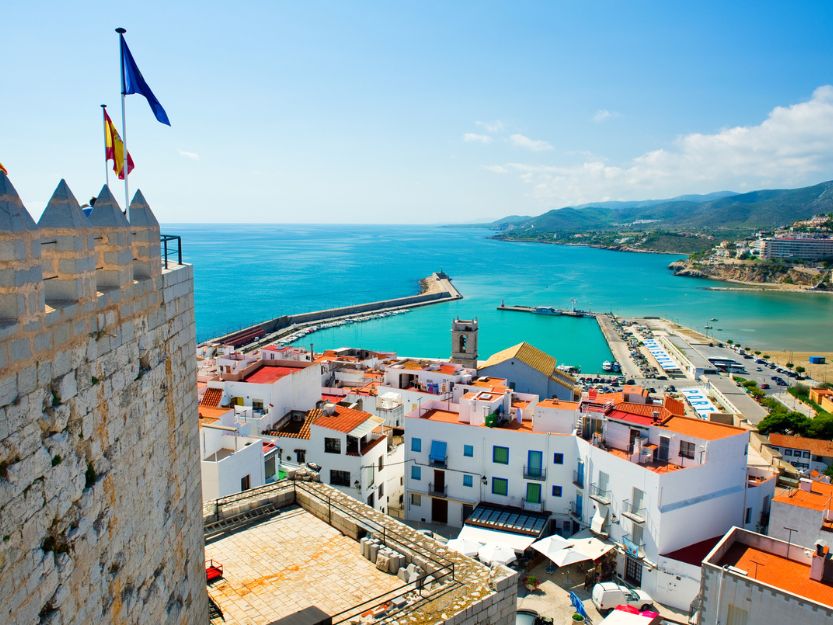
[[724, 210], [643, 203]]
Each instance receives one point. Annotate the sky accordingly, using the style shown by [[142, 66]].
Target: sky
[[418, 112]]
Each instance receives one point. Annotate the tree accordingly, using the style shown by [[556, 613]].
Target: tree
[[767, 356], [757, 352], [821, 426], [730, 341], [790, 365], [800, 369], [784, 422]]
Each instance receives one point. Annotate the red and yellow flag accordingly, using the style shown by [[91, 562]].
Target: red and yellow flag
[[114, 148], [3, 169]]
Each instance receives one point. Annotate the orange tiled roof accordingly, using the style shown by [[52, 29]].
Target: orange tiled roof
[[212, 397], [817, 499], [698, 428], [303, 432], [344, 420], [815, 446], [210, 414]]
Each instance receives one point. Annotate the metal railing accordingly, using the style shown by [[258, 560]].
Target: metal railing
[[438, 462], [168, 249], [535, 473], [533, 506], [435, 489], [635, 512], [599, 494]]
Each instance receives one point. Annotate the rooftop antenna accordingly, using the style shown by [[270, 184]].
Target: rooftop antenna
[[789, 538]]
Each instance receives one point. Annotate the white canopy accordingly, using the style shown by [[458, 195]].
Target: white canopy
[[589, 545], [366, 427], [496, 553], [518, 542], [560, 550], [466, 546]]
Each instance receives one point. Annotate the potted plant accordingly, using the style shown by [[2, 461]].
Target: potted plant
[[531, 582]]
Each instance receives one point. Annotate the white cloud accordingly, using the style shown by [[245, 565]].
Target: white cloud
[[476, 137], [490, 127], [793, 146], [603, 115], [189, 155], [534, 145], [496, 169]]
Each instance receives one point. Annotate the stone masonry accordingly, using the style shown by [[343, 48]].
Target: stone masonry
[[100, 504]]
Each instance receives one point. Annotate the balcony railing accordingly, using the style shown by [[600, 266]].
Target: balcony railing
[[535, 473], [599, 494], [635, 512], [578, 479], [633, 548], [437, 489], [575, 511], [171, 245], [533, 506], [441, 463]]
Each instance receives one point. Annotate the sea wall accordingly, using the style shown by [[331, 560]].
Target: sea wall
[[99, 461]]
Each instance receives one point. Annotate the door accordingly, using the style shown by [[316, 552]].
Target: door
[[534, 463], [533, 492], [467, 510], [439, 510], [633, 436], [245, 482], [664, 443], [439, 482], [579, 505], [633, 571]]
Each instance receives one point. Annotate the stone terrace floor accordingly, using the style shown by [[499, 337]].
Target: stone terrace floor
[[289, 562]]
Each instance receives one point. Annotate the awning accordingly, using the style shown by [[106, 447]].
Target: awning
[[589, 545], [517, 542], [366, 427], [439, 451], [597, 523]]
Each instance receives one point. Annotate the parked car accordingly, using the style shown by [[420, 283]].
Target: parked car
[[765, 386], [607, 595]]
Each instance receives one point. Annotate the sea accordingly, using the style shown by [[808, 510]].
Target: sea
[[249, 273]]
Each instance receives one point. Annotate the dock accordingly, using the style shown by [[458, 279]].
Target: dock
[[548, 310], [435, 289]]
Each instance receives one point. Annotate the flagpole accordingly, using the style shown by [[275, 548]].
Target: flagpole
[[104, 124], [121, 32]]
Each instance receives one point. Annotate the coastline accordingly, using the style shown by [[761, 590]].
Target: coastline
[[595, 246]]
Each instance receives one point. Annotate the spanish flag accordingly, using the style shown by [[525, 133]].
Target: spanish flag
[[114, 148]]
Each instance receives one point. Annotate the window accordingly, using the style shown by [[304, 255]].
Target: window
[[747, 518], [558, 458], [416, 499], [788, 452], [332, 445], [416, 444], [500, 455], [468, 451], [416, 472], [339, 478], [301, 454], [245, 482], [381, 462], [556, 490], [500, 486], [805, 454], [687, 450], [468, 480], [533, 492], [381, 490]]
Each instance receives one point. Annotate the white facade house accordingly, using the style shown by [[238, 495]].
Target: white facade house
[[230, 462], [803, 515], [639, 474], [529, 370], [751, 579]]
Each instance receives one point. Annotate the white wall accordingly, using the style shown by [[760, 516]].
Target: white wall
[[806, 521], [222, 477]]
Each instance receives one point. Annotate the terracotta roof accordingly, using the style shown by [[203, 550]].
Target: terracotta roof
[[698, 428], [815, 446], [446, 416], [266, 373], [344, 420], [212, 397], [817, 499], [210, 414], [527, 354]]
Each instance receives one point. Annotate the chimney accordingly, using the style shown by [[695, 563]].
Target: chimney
[[655, 416], [329, 409], [805, 484], [818, 561]]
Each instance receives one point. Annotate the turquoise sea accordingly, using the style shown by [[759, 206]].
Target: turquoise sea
[[249, 273]]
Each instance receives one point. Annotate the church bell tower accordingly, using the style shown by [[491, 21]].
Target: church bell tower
[[464, 342]]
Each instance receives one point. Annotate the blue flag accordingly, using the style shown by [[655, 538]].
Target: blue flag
[[132, 81]]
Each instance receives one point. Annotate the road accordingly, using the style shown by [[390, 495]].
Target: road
[[793, 404]]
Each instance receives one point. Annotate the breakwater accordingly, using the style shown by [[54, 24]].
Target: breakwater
[[436, 288]]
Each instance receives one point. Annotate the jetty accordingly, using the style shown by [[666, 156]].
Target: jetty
[[435, 289], [548, 310]]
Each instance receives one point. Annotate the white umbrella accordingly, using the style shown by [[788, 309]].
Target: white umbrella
[[567, 556], [465, 546], [550, 545], [495, 552]]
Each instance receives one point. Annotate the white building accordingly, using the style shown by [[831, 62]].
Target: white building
[[803, 515], [797, 247], [805, 454], [351, 449], [650, 480], [752, 579]]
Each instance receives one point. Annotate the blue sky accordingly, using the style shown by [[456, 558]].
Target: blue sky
[[372, 112]]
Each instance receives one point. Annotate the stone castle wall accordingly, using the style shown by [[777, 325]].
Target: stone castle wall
[[100, 503]]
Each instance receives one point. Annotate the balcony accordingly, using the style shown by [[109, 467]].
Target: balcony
[[634, 546], [438, 490], [599, 494], [635, 511], [575, 511], [535, 473], [578, 479], [533, 506], [440, 463]]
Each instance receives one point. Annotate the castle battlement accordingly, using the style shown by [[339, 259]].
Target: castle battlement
[[100, 500]]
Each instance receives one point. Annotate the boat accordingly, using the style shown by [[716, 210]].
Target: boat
[[569, 368], [607, 365], [708, 327], [546, 310], [713, 319], [617, 367]]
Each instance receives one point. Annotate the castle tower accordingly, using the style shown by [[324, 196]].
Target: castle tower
[[100, 512], [464, 342]]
